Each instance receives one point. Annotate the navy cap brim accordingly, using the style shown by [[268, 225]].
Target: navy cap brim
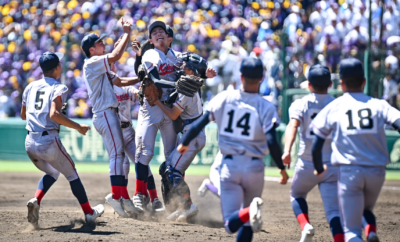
[[155, 24], [102, 36]]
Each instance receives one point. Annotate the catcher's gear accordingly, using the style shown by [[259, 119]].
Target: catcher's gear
[[195, 63], [150, 91], [165, 185], [189, 85]]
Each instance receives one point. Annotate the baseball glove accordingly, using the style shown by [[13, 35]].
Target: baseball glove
[[188, 85], [150, 91]]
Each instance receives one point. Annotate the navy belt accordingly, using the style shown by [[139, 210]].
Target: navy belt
[[231, 157], [44, 133], [125, 125], [189, 121]]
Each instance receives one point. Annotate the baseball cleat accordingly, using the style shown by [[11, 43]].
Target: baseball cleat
[[203, 188], [138, 201], [33, 211], [372, 237], [146, 201], [157, 205], [307, 233], [116, 205], [256, 221], [186, 214], [97, 212], [128, 206], [173, 216]]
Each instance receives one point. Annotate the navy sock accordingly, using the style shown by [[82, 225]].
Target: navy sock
[[78, 190], [44, 185], [245, 234], [238, 219], [151, 184], [336, 226]]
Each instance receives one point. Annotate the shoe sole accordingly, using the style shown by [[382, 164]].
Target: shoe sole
[[122, 215], [309, 236], [255, 215], [31, 213], [184, 219]]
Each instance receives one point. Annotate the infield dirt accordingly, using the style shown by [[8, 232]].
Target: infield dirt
[[61, 218]]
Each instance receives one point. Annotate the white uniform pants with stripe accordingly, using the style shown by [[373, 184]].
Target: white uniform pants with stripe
[[108, 124], [242, 179], [49, 155]]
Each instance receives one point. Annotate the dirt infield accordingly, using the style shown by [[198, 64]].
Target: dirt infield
[[61, 217]]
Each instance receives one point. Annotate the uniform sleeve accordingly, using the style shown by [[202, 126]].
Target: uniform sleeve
[[25, 95], [182, 102], [390, 114], [296, 111], [150, 60], [132, 91], [270, 118], [215, 105], [60, 90], [321, 124], [100, 65]]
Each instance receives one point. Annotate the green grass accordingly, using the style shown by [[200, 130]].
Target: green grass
[[27, 166]]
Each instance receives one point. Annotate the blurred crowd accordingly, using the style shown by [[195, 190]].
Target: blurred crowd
[[288, 36]]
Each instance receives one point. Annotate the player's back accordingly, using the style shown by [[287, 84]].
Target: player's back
[[305, 110], [243, 119], [357, 122], [38, 97]]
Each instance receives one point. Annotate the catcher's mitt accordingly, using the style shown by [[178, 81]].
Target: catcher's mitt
[[189, 85], [150, 91]]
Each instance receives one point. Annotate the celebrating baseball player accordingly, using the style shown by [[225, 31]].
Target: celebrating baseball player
[[246, 124], [301, 113], [100, 79], [42, 101], [359, 149], [186, 109]]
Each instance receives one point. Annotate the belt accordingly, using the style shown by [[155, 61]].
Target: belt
[[231, 157], [125, 125], [115, 109], [44, 133], [189, 121]]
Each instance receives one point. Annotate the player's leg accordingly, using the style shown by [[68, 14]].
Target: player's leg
[[351, 183], [374, 183], [328, 191], [168, 135], [303, 182], [107, 123], [212, 184]]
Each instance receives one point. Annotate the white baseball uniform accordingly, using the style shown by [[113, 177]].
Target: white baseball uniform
[[99, 82], [42, 143], [359, 149], [243, 119], [191, 108], [152, 118], [304, 180]]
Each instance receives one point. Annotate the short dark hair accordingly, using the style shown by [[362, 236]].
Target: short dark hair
[[87, 53], [320, 88], [252, 80], [354, 82], [50, 72]]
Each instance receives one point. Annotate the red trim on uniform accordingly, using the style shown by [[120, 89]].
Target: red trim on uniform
[[39, 195], [370, 228], [303, 220], [178, 161], [70, 161], [153, 194], [86, 208], [112, 137], [244, 214], [338, 238], [322, 132], [179, 105], [116, 191]]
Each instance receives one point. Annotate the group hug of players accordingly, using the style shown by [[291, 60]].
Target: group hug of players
[[342, 141]]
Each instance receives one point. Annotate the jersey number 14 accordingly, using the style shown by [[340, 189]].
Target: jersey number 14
[[239, 122]]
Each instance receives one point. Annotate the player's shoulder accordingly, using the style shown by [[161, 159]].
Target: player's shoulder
[[150, 53], [95, 59]]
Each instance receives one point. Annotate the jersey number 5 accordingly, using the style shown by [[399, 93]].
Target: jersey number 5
[[39, 100]]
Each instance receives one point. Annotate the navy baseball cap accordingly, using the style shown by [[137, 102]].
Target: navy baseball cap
[[155, 24], [351, 68], [89, 40], [49, 60], [252, 68], [170, 32], [319, 76]]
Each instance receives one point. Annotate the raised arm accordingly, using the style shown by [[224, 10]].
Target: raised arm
[[119, 49]]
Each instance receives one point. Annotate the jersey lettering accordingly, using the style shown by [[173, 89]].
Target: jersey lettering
[[358, 121], [165, 69], [239, 122]]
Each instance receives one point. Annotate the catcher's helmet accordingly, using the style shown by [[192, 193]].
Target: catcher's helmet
[[195, 63]]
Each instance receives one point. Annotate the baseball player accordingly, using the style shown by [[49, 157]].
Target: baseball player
[[100, 79], [246, 125], [188, 109], [212, 184], [301, 113], [42, 101], [359, 149]]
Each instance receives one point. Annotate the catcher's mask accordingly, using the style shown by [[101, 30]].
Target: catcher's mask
[[194, 62]]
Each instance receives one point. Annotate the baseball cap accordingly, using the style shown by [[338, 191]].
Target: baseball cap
[[351, 68], [155, 24], [89, 40], [252, 68], [319, 76], [170, 32], [49, 60]]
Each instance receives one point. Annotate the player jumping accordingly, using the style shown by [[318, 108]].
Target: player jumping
[[359, 149], [301, 113], [246, 125], [42, 101]]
